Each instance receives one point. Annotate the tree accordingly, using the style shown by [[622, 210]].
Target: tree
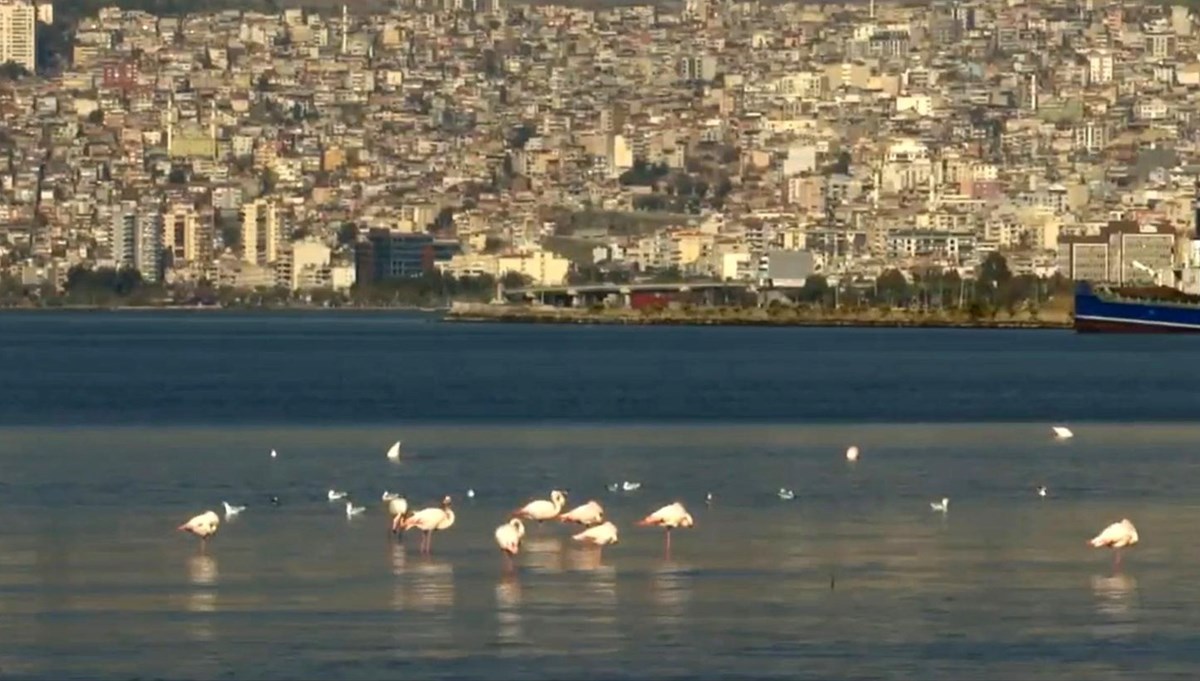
[[816, 287], [892, 287], [11, 70], [993, 271]]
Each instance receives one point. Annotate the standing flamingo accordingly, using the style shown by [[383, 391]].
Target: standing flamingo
[[542, 510], [591, 513], [398, 510], [430, 520], [204, 526], [1116, 536], [600, 535], [508, 538], [670, 517]]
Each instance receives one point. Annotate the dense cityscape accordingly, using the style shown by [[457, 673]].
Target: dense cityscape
[[453, 146]]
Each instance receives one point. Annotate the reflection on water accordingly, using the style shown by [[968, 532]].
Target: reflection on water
[[671, 590], [398, 559], [202, 570], [431, 586], [508, 609], [1116, 602], [584, 558], [543, 554], [202, 598]]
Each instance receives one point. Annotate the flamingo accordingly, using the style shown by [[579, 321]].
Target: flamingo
[[508, 538], [542, 510], [600, 535], [204, 526], [430, 520], [670, 517], [852, 453], [398, 510], [587, 515], [1116, 536]]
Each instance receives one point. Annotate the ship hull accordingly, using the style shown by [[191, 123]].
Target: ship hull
[[1099, 312]]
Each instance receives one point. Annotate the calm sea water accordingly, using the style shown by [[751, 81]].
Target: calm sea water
[[114, 428]]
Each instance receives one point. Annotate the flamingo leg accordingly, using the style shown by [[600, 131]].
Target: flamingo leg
[[668, 542], [429, 548], [1117, 560]]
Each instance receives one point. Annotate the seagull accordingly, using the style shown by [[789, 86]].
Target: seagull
[[352, 510], [670, 517], [542, 510], [786, 494], [231, 510], [204, 526], [942, 506], [388, 496], [587, 515], [470, 494], [335, 495], [1062, 432], [428, 520], [1116, 536], [852, 453], [708, 498], [274, 454], [1041, 490], [274, 500], [614, 487], [630, 486], [393, 454]]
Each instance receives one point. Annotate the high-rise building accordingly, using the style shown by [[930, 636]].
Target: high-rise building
[[181, 233], [18, 37], [136, 240], [260, 232], [387, 254]]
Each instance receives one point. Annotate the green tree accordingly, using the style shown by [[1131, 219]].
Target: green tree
[[892, 287]]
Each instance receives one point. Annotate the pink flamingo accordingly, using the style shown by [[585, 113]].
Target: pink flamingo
[[508, 538], [591, 513], [1116, 536], [600, 535], [669, 517], [204, 526], [430, 520], [542, 510]]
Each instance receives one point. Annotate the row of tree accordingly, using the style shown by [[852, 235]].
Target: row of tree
[[107, 287]]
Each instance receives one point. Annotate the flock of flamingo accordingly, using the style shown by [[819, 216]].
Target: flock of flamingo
[[597, 530]]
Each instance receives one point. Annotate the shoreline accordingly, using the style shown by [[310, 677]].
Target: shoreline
[[495, 314]]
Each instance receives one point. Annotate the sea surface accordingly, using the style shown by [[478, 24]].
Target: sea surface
[[117, 427]]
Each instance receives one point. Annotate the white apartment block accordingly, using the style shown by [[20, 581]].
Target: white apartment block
[[17, 33]]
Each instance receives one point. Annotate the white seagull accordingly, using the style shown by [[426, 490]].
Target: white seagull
[[274, 454], [393, 454], [786, 494], [940, 506], [1041, 490], [352, 510], [1062, 432], [470, 494], [852, 453], [630, 486], [388, 496], [231, 510], [335, 495]]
